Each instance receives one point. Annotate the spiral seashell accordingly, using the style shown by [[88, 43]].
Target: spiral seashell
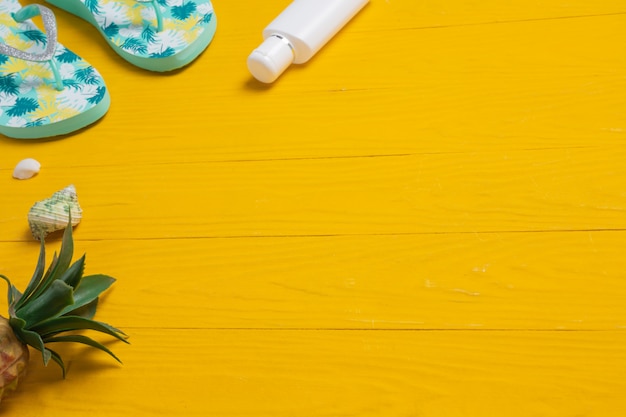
[[52, 214]]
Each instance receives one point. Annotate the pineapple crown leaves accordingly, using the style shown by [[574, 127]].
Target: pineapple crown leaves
[[58, 301]]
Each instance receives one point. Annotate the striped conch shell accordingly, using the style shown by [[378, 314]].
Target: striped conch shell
[[52, 214]]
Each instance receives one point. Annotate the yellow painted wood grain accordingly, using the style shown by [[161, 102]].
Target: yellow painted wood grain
[[329, 373], [543, 83], [534, 190], [546, 281], [425, 220]]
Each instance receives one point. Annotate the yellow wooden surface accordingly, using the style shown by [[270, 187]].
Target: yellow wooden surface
[[425, 220]]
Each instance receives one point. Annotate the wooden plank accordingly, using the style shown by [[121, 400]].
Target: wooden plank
[[425, 220], [400, 15], [456, 89], [550, 189], [329, 373], [547, 281]]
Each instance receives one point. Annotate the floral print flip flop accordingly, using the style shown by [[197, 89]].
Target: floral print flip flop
[[45, 89], [157, 35]]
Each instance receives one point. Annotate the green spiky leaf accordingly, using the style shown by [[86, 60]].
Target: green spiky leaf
[[89, 289], [74, 273], [37, 276], [64, 324], [50, 304], [59, 265], [57, 358], [29, 337], [77, 338], [59, 300], [13, 294], [87, 311], [39, 283]]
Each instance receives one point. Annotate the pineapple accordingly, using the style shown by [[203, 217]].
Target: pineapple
[[54, 305]]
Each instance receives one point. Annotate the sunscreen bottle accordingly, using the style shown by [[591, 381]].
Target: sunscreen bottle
[[298, 33]]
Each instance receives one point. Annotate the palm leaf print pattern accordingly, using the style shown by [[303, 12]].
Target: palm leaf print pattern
[[22, 106], [132, 25], [183, 11], [28, 96], [35, 36]]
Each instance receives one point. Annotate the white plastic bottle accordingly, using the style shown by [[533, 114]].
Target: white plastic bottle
[[298, 33]]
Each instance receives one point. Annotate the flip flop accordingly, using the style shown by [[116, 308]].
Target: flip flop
[[45, 89], [157, 35]]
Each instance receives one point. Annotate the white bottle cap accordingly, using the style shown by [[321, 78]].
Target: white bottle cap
[[270, 59]]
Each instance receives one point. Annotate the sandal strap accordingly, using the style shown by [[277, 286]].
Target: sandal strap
[[157, 11], [50, 28]]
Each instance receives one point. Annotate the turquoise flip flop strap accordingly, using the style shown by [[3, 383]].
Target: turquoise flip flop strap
[[157, 11], [50, 27]]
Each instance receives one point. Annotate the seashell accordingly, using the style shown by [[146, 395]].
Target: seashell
[[52, 214], [26, 168]]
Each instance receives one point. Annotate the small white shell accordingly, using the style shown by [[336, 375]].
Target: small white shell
[[26, 168], [52, 214]]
